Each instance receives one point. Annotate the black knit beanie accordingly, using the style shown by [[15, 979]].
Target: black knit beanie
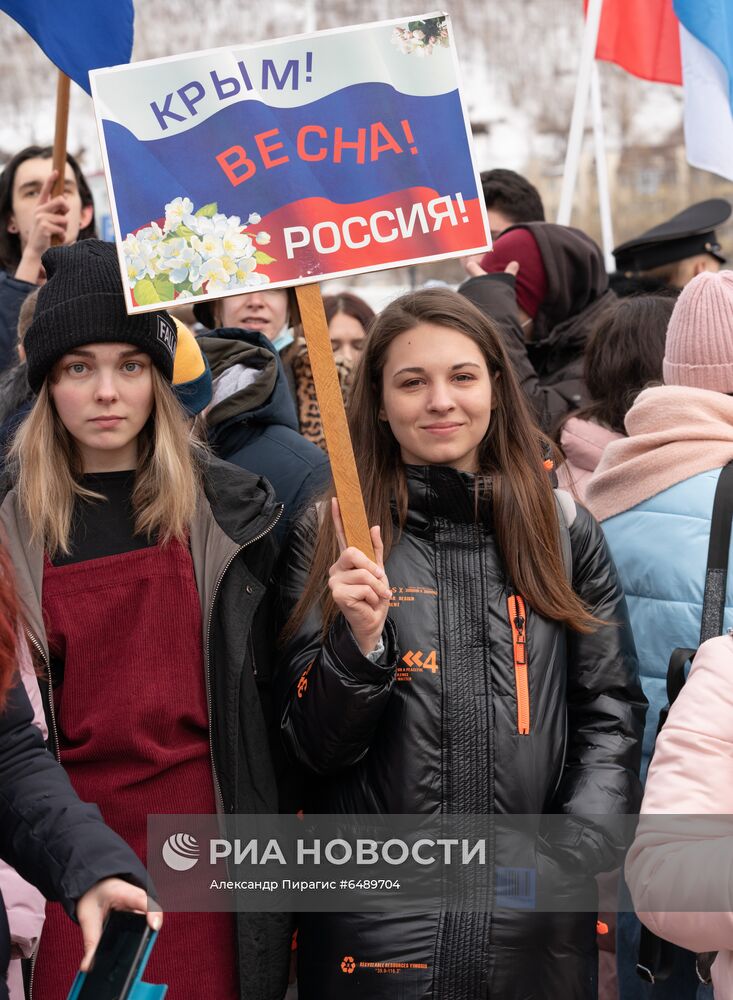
[[83, 302]]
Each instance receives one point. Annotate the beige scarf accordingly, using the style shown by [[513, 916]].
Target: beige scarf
[[674, 433]]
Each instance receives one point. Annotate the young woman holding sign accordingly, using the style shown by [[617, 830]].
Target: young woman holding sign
[[460, 672], [142, 562]]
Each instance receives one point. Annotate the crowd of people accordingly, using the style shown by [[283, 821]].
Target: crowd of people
[[185, 625]]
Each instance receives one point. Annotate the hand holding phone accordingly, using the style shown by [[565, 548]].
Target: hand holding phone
[[119, 959], [109, 894]]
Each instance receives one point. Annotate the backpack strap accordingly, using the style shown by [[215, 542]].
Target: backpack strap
[[566, 513], [676, 673], [656, 957], [716, 575], [676, 677]]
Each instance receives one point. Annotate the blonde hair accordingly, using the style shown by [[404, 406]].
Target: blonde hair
[[47, 470]]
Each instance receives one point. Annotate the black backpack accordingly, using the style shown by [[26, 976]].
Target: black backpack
[[657, 956]]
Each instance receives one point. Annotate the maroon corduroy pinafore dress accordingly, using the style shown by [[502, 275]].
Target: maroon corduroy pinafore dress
[[134, 735]]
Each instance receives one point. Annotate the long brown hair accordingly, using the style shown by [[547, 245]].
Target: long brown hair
[[8, 626], [511, 455]]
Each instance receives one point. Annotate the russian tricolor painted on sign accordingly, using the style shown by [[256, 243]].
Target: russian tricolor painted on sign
[[681, 41], [289, 161]]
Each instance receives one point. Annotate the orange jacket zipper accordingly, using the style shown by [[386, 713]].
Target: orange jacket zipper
[[518, 620]]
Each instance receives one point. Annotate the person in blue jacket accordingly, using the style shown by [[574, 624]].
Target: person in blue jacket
[[252, 421], [653, 492], [30, 219]]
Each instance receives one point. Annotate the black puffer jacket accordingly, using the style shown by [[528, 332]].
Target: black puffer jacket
[[386, 739]]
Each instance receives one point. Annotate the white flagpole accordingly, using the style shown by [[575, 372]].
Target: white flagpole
[[580, 108], [604, 195]]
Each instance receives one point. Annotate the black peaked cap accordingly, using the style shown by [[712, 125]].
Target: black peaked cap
[[686, 234]]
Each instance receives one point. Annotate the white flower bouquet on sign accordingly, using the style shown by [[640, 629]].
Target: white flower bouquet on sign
[[194, 253], [421, 38]]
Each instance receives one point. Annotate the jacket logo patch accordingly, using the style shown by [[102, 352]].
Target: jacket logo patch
[[303, 680], [415, 662], [407, 595], [349, 965]]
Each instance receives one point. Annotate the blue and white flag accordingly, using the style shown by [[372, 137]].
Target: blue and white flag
[[706, 38], [77, 35]]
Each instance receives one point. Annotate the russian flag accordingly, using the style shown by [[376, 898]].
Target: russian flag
[[680, 41], [77, 35], [706, 36], [641, 36]]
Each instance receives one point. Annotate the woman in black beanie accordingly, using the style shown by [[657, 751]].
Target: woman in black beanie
[[129, 542]]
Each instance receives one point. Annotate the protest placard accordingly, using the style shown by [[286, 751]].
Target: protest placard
[[289, 162]]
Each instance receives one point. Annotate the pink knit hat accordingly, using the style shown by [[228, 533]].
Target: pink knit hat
[[699, 346]]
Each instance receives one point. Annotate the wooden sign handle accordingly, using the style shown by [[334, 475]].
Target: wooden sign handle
[[59, 140], [333, 418]]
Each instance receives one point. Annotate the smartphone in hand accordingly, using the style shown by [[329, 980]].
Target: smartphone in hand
[[119, 959]]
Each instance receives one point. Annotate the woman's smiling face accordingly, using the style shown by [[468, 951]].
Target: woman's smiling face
[[436, 396]]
